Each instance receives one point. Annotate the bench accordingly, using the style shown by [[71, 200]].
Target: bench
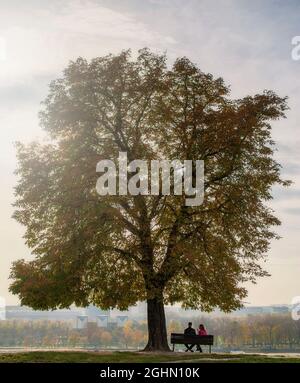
[[206, 340]]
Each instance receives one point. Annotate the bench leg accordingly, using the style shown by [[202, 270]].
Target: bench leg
[[173, 347], [210, 349]]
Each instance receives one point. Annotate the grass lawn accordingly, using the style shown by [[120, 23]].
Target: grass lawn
[[136, 357]]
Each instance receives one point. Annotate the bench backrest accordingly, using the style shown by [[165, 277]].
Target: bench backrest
[[192, 339]]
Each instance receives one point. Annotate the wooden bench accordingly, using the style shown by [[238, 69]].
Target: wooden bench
[[205, 340]]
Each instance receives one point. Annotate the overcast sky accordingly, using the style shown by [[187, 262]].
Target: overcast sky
[[248, 43]]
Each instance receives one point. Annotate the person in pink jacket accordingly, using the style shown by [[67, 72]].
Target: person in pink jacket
[[201, 331]]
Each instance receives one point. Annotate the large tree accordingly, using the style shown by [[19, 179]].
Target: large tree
[[113, 251]]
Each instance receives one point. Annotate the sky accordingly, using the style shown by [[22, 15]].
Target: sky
[[248, 43]]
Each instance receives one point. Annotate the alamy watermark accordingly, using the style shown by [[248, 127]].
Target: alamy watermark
[[159, 173], [2, 49], [295, 53], [2, 309], [295, 308]]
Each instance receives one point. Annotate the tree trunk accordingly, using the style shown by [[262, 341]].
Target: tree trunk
[[157, 330]]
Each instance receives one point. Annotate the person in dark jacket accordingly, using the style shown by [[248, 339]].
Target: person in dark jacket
[[189, 331]]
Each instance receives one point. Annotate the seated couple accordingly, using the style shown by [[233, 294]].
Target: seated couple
[[191, 331]]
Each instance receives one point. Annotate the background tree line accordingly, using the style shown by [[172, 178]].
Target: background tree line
[[259, 332]]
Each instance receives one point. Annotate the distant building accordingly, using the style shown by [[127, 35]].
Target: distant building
[[26, 313], [93, 312], [112, 325], [121, 320], [81, 322], [102, 320], [280, 309], [254, 310]]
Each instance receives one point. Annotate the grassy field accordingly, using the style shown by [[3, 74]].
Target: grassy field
[[137, 357]]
